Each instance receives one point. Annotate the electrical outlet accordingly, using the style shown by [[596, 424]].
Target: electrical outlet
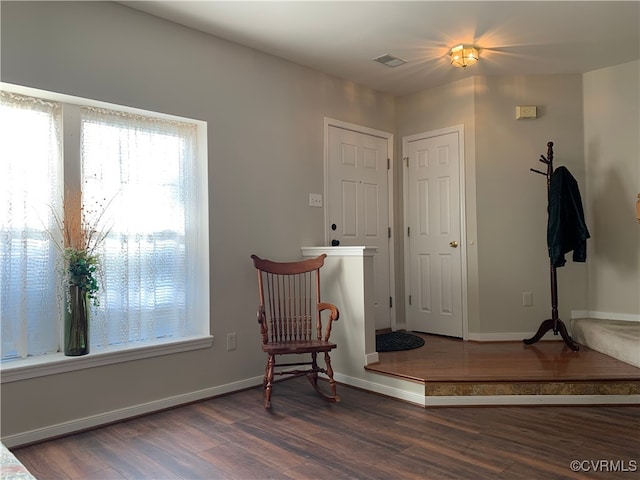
[[315, 200], [231, 341], [527, 299]]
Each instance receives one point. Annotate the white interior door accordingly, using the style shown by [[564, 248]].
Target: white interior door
[[433, 260], [357, 203]]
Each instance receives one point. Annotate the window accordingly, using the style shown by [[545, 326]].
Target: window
[[31, 158], [148, 174]]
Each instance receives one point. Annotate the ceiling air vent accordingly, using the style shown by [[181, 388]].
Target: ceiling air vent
[[389, 60]]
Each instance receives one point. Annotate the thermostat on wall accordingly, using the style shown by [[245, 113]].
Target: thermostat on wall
[[526, 111]]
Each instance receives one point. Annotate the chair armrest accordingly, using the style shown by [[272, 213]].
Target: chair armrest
[[334, 314]]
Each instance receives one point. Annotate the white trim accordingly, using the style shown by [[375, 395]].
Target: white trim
[[463, 232], [89, 102], [459, 129], [406, 391], [394, 392], [329, 122], [627, 317], [40, 366], [79, 424], [339, 251], [504, 400], [370, 358], [508, 336]]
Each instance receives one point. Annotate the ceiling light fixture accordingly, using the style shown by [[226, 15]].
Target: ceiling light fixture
[[464, 55]]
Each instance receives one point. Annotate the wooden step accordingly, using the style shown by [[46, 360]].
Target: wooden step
[[450, 367]]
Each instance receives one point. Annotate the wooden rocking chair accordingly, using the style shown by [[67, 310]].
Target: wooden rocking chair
[[289, 296]]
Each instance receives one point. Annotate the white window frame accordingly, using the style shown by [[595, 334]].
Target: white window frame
[[31, 367]]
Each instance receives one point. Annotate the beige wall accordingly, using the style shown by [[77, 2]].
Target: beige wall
[[506, 204], [512, 201], [612, 147], [265, 122]]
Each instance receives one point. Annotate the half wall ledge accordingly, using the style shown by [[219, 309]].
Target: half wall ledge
[[347, 282]]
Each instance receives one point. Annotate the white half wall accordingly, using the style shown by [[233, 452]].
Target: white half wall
[[612, 155]]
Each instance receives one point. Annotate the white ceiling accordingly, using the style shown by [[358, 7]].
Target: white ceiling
[[341, 37]]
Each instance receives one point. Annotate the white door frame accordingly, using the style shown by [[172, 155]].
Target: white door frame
[[331, 122], [459, 129]]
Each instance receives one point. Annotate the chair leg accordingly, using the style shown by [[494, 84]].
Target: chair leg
[[267, 383], [313, 377], [332, 382], [313, 374]]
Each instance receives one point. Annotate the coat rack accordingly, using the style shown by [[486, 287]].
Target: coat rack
[[554, 322]]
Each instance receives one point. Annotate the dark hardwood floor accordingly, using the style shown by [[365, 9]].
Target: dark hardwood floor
[[368, 436], [365, 436]]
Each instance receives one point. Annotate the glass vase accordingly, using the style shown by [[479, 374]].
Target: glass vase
[[76, 322]]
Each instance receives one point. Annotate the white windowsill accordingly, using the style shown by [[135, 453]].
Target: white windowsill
[[32, 367]]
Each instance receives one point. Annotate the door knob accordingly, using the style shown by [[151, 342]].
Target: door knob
[[453, 244]]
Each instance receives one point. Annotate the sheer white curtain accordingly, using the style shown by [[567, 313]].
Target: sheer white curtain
[[30, 191], [144, 169]]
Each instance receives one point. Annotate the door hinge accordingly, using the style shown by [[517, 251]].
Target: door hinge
[[390, 302], [406, 159], [408, 231], [388, 164], [389, 232], [409, 299]]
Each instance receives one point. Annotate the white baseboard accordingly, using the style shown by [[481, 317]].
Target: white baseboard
[[627, 317], [509, 336], [93, 421], [370, 358], [394, 392], [515, 336], [482, 400], [524, 400]]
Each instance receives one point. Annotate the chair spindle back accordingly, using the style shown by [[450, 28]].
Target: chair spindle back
[[290, 293]]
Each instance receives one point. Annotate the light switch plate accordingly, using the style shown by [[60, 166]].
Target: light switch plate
[[526, 111], [315, 200]]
